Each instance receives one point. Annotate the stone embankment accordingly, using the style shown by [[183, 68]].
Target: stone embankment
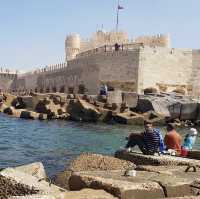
[[117, 107], [95, 176]]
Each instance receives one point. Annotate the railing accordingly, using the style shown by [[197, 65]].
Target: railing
[[111, 48]]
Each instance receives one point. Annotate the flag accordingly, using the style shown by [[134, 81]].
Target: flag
[[120, 7]]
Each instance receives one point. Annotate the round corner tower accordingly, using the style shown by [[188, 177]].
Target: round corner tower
[[165, 39], [72, 46]]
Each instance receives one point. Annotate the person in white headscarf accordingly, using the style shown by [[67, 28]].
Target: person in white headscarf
[[190, 139]]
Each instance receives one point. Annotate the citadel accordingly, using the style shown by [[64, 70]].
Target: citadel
[[143, 62]]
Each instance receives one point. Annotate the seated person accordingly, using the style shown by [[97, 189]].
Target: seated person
[[172, 139], [149, 142], [190, 139]]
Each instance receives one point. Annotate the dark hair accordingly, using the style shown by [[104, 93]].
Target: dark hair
[[147, 122], [170, 127]]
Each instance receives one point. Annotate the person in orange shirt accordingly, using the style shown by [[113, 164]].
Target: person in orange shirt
[[172, 139]]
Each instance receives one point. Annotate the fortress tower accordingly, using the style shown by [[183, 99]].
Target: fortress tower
[[75, 45], [161, 40], [72, 46]]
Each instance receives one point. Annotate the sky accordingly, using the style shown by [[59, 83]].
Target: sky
[[33, 32]]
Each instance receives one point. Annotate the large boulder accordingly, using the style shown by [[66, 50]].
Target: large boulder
[[81, 110]]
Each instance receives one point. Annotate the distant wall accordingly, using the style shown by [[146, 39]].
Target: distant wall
[[168, 67], [6, 80], [196, 73], [114, 68]]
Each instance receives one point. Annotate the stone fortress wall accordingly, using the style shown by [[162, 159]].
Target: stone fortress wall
[[6, 78], [133, 67], [75, 45]]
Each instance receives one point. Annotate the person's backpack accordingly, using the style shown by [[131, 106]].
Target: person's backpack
[[162, 146]]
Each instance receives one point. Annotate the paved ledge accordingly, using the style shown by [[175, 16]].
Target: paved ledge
[[141, 159]]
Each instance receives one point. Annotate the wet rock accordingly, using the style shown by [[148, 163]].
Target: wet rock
[[8, 110], [106, 115], [42, 116], [29, 114], [129, 118], [81, 110]]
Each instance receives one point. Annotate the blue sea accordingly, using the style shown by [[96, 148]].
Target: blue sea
[[56, 143]]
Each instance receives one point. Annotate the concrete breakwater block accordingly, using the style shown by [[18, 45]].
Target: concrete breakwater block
[[81, 110], [178, 184], [139, 158], [129, 118], [91, 162], [41, 185], [34, 169], [118, 188], [89, 194], [33, 197]]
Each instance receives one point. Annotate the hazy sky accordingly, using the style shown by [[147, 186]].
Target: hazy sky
[[32, 32]]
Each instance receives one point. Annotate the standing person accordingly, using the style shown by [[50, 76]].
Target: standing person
[[103, 89], [172, 139], [190, 139], [149, 142]]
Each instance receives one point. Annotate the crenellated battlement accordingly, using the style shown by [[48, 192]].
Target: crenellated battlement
[[75, 45]]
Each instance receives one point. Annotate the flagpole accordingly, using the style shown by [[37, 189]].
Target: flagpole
[[117, 25]]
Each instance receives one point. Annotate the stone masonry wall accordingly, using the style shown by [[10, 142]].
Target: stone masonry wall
[[162, 66], [108, 67], [6, 80], [196, 73]]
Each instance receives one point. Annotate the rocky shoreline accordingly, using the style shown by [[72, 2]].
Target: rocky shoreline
[[117, 107], [94, 176]]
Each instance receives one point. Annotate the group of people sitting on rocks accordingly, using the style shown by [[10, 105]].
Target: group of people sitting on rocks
[[151, 140]]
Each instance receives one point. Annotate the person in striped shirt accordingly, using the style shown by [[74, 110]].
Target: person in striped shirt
[[149, 142]]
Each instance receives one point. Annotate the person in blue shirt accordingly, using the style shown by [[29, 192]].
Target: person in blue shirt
[[190, 139]]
